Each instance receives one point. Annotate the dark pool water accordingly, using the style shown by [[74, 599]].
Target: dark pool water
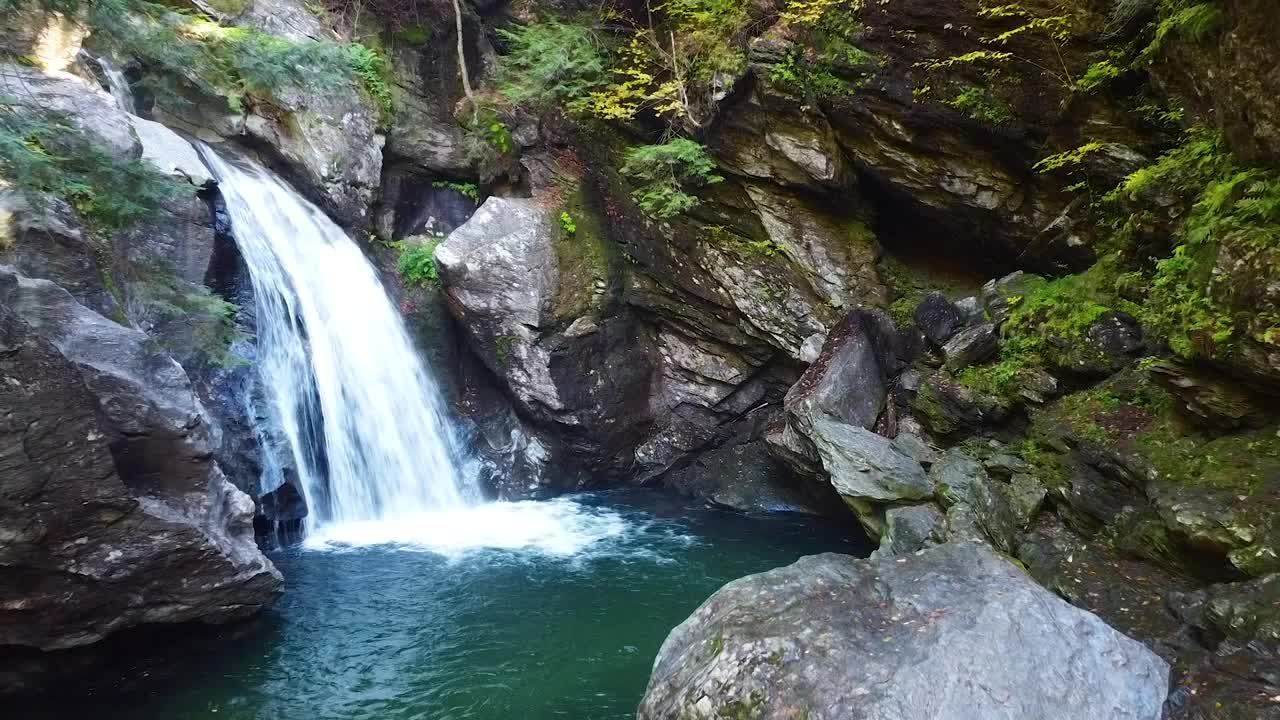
[[390, 632]]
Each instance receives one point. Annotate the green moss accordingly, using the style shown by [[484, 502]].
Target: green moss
[[502, 346], [1047, 326], [469, 189], [230, 7], [1232, 206], [751, 708], [724, 237], [717, 645], [583, 251], [1132, 414]]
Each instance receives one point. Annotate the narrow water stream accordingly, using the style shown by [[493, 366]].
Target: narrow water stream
[[564, 627]]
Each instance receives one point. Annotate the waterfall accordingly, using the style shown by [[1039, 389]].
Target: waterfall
[[117, 84], [363, 418]]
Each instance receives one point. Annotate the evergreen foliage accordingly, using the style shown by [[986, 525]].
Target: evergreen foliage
[[549, 63], [665, 172], [46, 153]]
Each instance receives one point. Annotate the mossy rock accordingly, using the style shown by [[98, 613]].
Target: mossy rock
[[585, 256]]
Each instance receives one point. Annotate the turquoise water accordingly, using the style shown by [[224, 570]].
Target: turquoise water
[[389, 632]]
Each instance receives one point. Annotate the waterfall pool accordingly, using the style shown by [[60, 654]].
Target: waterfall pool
[[530, 611]]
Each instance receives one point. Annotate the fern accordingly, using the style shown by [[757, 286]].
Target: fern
[[665, 172], [550, 62]]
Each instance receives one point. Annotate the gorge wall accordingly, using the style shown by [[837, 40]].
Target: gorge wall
[[975, 271]]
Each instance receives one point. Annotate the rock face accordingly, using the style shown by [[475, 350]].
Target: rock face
[[955, 632], [506, 284], [108, 521]]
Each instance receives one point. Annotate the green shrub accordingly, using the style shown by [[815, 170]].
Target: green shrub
[[549, 63], [1185, 19], [211, 319], [981, 105], [374, 72], [470, 189], [1228, 202], [417, 263], [664, 172], [567, 223]]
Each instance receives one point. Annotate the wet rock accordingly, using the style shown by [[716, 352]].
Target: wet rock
[[747, 478], [1232, 79], [768, 139], [847, 380], [938, 318], [865, 466], [948, 408], [1244, 611], [834, 637], [971, 346], [95, 543], [87, 107], [911, 528], [1208, 397], [1116, 334]]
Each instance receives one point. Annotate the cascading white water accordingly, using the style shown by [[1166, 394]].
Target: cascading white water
[[364, 419], [117, 85]]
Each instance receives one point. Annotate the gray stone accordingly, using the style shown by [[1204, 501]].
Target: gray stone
[[502, 278], [970, 346], [812, 347], [911, 528], [102, 530], [170, 153], [970, 308], [88, 107], [745, 477], [42, 237], [977, 507], [866, 466], [846, 381], [914, 447], [953, 633], [956, 476], [938, 318]]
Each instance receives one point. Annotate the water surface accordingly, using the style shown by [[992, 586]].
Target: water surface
[[556, 610]]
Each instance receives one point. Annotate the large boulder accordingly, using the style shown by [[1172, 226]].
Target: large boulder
[[510, 280], [955, 632], [93, 541], [848, 380]]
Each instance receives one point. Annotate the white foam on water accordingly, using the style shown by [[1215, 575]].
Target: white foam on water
[[561, 528]]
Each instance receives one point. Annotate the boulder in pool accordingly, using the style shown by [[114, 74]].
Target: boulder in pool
[[951, 633]]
